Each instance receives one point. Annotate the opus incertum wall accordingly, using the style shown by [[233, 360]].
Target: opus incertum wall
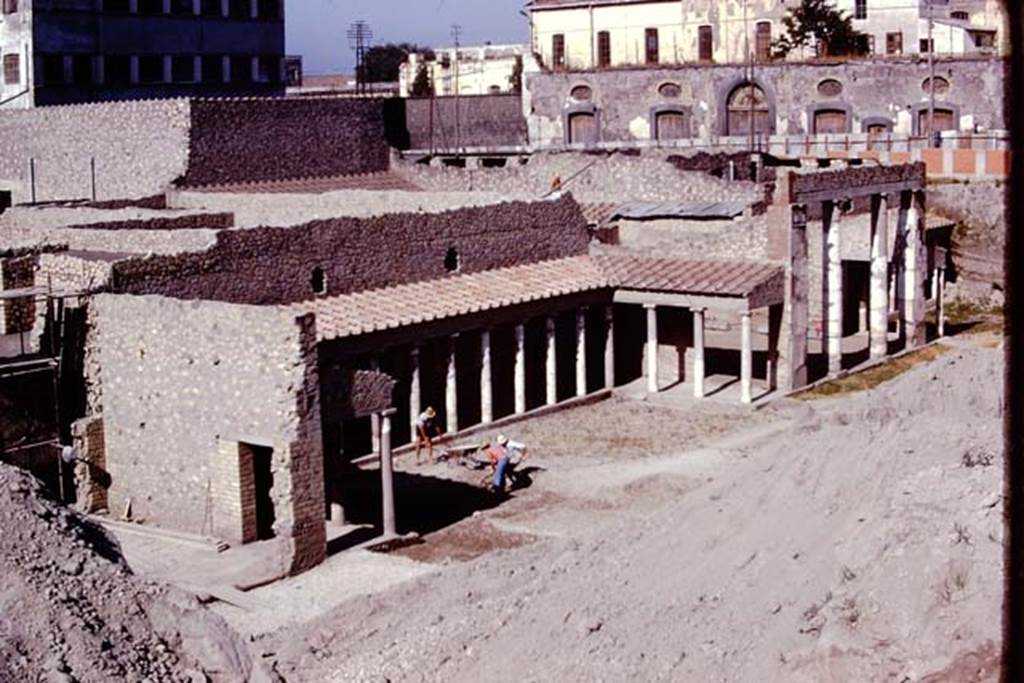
[[344, 255], [120, 150]]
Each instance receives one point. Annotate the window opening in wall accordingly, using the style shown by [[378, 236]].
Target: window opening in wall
[[241, 69], [985, 39], [925, 45], [239, 9], [210, 8], [763, 41], [581, 93], [494, 162], [941, 85], [10, 6], [704, 46], [860, 9], [12, 69], [830, 87], [454, 162], [53, 69], [151, 6], [117, 70], [81, 69], [671, 125], [960, 16], [830, 121], [604, 49], [213, 68], [582, 127], [151, 69], [269, 9], [747, 107], [651, 45], [894, 43], [452, 262], [269, 68], [183, 69], [944, 120], [494, 89], [558, 50], [318, 281], [670, 91]]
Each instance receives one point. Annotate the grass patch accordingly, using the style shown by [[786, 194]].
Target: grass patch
[[872, 377]]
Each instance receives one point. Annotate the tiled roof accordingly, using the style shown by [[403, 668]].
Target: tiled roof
[[374, 310], [933, 221], [598, 213], [718, 278], [420, 302], [383, 180], [546, 4]]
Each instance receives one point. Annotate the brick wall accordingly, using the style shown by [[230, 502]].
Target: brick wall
[[244, 140], [173, 381], [276, 265], [483, 121]]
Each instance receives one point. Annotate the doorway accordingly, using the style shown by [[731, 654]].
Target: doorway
[[261, 462]]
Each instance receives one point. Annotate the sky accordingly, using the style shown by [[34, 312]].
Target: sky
[[316, 29]]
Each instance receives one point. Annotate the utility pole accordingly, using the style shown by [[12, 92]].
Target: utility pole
[[456, 33], [750, 77], [359, 36], [931, 77]]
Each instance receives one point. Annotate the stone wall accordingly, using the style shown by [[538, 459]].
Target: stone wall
[[17, 315], [195, 221], [589, 177], [344, 255], [745, 238], [253, 210], [138, 148], [247, 140], [625, 101], [483, 121], [74, 271], [174, 381]]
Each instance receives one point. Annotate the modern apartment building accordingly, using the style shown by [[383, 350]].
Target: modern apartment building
[[70, 51]]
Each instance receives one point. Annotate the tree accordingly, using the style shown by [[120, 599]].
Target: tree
[[817, 24], [515, 81], [382, 61], [421, 85]]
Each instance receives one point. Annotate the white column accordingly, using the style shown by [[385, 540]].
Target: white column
[[940, 291], [698, 352], [451, 400], [746, 358], [197, 7], [551, 377], [133, 6], [913, 285], [133, 68], [254, 11], [834, 272], [609, 347], [386, 475], [415, 407], [581, 351], [652, 348], [878, 289], [225, 7], [225, 66], [520, 369], [486, 391]]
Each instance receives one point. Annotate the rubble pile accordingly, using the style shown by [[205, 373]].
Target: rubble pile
[[71, 610]]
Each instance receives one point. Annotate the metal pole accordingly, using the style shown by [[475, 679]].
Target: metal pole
[[92, 174], [456, 31], [931, 77], [32, 177]]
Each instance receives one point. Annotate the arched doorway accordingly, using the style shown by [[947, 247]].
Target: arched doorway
[[748, 108], [830, 121]]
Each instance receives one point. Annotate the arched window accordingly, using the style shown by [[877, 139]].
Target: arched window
[[747, 108], [318, 281]]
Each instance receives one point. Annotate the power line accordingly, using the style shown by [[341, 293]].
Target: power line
[[359, 37]]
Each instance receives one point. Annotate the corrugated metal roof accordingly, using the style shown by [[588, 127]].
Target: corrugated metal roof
[[700, 210]]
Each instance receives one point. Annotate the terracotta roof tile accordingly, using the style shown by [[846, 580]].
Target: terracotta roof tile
[[384, 180], [410, 304]]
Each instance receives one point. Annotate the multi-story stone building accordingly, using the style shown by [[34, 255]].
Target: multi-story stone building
[[64, 51], [587, 34]]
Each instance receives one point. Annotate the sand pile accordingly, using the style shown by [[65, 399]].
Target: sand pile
[[70, 610], [852, 539]]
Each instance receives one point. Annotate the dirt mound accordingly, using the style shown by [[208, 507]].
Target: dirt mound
[[70, 609]]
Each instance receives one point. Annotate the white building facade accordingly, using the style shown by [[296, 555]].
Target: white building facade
[[476, 70], [588, 34]]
